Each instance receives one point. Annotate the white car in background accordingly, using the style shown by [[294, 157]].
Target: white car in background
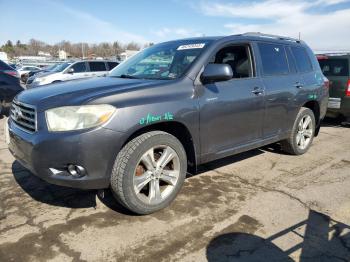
[[72, 71], [26, 69]]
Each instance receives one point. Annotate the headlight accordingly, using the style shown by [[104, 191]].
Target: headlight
[[40, 79], [69, 118]]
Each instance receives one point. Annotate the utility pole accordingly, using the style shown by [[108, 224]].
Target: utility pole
[[299, 36], [82, 50]]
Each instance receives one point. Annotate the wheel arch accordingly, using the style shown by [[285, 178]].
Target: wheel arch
[[314, 106], [181, 132]]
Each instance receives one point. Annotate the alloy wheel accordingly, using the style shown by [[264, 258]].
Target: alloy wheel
[[156, 174], [305, 132]]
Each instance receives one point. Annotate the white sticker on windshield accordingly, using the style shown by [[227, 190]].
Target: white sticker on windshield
[[191, 46]]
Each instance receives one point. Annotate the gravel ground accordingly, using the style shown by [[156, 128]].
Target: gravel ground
[[261, 205]]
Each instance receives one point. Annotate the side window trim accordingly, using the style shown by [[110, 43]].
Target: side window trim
[[250, 53], [307, 57]]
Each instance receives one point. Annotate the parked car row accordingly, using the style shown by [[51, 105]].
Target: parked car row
[[33, 76], [71, 71]]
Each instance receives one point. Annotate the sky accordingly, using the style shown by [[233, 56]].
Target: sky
[[323, 24]]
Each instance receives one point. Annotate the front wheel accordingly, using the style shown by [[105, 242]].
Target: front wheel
[[302, 133], [149, 172]]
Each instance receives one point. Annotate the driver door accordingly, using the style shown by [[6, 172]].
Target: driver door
[[231, 112]]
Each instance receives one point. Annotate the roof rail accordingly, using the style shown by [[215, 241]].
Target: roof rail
[[333, 53], [258, 34]]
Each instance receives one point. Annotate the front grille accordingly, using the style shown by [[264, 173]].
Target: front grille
[[24, 116]]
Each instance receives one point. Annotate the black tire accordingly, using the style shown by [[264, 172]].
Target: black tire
[[290, 144], [122, 178]]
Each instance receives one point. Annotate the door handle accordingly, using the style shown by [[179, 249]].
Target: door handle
[[298, 85], [257, 91]]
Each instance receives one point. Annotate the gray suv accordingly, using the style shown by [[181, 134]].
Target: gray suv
[[168, 109]]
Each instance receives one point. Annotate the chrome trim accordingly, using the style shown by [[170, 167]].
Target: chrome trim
[[22, 125]]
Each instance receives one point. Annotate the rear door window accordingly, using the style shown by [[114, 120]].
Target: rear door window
[[334, 66], [97, 66], [302, 59], [79, 67], [273, 58]]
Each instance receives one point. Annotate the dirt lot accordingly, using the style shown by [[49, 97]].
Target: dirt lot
[[261, 205]]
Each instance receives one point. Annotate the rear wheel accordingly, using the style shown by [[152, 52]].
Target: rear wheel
[[302, 133], [149, 172]]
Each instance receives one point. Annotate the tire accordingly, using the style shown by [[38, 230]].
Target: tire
[[139, 182], [294, 144]]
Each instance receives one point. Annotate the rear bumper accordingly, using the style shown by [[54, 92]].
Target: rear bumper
[[344, 109], [45, 153]]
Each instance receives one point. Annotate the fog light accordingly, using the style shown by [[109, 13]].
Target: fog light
[[76, 171]]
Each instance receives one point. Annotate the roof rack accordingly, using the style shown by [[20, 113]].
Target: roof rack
[[258, 34]]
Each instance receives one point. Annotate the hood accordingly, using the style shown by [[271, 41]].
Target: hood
[[78, 92]]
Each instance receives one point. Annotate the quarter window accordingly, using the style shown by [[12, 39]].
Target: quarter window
[[273, 58], [97, 66], [79, 67], [302, 59], [291, 61]]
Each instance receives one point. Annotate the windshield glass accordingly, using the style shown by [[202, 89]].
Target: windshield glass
[[60, 67], [163, 61]]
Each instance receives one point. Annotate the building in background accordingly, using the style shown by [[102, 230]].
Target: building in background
[[63, 55], [127, 53]]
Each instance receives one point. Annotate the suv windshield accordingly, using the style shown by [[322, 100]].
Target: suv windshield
[[163, 61], [60, 67]]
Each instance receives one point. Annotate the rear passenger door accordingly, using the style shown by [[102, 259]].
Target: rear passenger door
[[281, 81], [98, 68]]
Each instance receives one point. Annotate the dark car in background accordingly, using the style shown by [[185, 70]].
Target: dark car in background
[[168, 109], [336, 68], [9, 86]]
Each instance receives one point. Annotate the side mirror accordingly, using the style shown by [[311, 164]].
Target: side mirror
[[216, 72], [70, 70]]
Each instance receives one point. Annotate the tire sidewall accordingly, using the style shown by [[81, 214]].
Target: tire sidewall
[[127, 183], [304, 112]]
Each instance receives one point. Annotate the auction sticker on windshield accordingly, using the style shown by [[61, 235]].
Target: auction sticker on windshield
[[191, 46]]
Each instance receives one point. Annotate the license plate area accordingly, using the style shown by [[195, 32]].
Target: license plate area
[[334, 103]]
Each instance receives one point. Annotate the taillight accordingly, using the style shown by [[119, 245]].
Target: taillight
[[347, 92], [11, 72]]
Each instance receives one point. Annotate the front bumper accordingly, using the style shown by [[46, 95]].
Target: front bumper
[[42, 152]]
